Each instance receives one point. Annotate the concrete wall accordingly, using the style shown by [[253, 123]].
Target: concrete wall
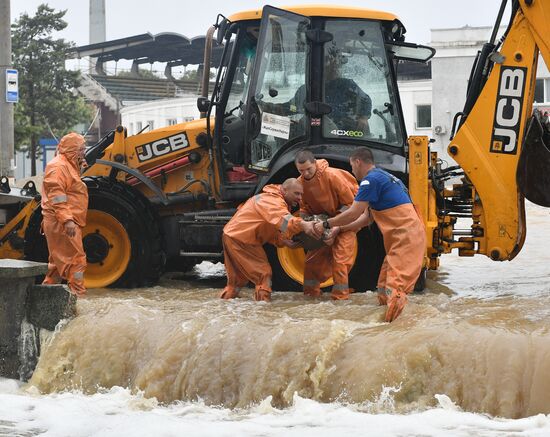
[[451, 67], [414, 93], [450, 80]]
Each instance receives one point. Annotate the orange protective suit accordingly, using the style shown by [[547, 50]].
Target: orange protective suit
[[327, 192], [264, 218], [405, 243], [64, 198]]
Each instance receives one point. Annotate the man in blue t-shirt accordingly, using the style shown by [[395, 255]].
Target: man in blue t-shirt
[[383, 198]]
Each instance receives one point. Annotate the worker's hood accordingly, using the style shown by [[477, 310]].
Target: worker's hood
[[322, 165], [273, 189], [69, 145]]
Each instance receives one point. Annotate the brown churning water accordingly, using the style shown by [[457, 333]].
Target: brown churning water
[[486, 346]]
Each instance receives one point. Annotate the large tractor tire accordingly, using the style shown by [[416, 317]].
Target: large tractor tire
[[281, 281], [122, 237], [36, 248], [287, 264], [370, 255]]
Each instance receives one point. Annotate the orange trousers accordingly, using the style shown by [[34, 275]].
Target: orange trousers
[[405, 243], [67, 259], [336, 261], [246, 263]]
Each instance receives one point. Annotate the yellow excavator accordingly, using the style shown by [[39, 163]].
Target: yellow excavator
[[160, 199]]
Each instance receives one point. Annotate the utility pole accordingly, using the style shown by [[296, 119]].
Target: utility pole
[[6, 108]]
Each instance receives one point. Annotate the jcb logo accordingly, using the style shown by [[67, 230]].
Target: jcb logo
[[508, 110], [162, 147]]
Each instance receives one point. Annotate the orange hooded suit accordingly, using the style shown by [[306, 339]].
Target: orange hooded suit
[[264, 218], [327, 192], [64, 198]]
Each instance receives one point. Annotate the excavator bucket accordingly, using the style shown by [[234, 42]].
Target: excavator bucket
[[533, 172]]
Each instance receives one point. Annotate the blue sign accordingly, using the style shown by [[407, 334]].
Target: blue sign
[[12, 86], [48, 142]]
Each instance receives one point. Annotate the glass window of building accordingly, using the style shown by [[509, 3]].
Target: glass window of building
[[423, 116], [539, 91]]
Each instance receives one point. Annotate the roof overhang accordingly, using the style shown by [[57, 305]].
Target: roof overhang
[[171, 48]]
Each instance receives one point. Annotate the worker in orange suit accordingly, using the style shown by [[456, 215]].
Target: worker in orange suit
[[64, 208], [383, 198], [327, 191], [264, 218]]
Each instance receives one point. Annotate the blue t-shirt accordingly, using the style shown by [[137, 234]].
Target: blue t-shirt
[[382, 190]]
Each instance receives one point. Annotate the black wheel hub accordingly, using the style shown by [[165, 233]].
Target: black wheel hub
[[96, 247]]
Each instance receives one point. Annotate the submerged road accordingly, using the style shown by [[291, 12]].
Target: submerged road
[[476, 342]]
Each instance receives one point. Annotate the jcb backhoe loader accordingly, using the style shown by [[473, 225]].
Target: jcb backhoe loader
[[163, 197]]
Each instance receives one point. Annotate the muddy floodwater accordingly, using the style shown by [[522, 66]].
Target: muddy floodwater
[[471, 356]]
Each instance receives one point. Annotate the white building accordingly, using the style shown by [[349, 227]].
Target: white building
[[159, 113]]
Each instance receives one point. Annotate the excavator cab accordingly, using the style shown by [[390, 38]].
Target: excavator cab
[[321, 77]]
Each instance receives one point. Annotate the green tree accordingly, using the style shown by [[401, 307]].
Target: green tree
[[48, 102]]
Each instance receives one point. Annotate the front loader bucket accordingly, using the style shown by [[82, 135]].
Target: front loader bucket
[[533, 172]]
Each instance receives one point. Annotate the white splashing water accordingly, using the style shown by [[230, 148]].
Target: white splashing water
[[117, 412]]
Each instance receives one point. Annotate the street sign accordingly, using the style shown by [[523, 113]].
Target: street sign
[[12, 86]]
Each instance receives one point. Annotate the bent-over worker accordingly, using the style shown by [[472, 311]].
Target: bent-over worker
[[327, 191], [264, 218], [383, 198], [64, 208]]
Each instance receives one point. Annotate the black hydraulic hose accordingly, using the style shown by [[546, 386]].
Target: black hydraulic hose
[[498, 20], [478, 80], [481, 67], [186, 187]]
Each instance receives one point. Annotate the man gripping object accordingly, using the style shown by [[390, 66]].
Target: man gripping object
[[327, 191], [383, 198], [264, 218]]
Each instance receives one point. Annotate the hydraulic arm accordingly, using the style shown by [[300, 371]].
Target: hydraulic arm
[[499, 146]]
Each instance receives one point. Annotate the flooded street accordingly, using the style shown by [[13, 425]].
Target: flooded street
[[471, 356]]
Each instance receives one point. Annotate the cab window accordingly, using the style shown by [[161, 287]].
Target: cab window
[[358, 85]]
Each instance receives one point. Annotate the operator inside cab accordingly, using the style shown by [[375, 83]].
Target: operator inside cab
[[350, 106]]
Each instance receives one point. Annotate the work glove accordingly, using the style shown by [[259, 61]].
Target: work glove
[[229, 293], [261, 294], [396, 302]]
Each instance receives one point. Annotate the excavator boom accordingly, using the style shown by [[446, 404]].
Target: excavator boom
[[500, 146]]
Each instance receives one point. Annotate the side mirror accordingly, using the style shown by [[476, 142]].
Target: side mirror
[[220, 34], [411, 52], [203, 104]]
